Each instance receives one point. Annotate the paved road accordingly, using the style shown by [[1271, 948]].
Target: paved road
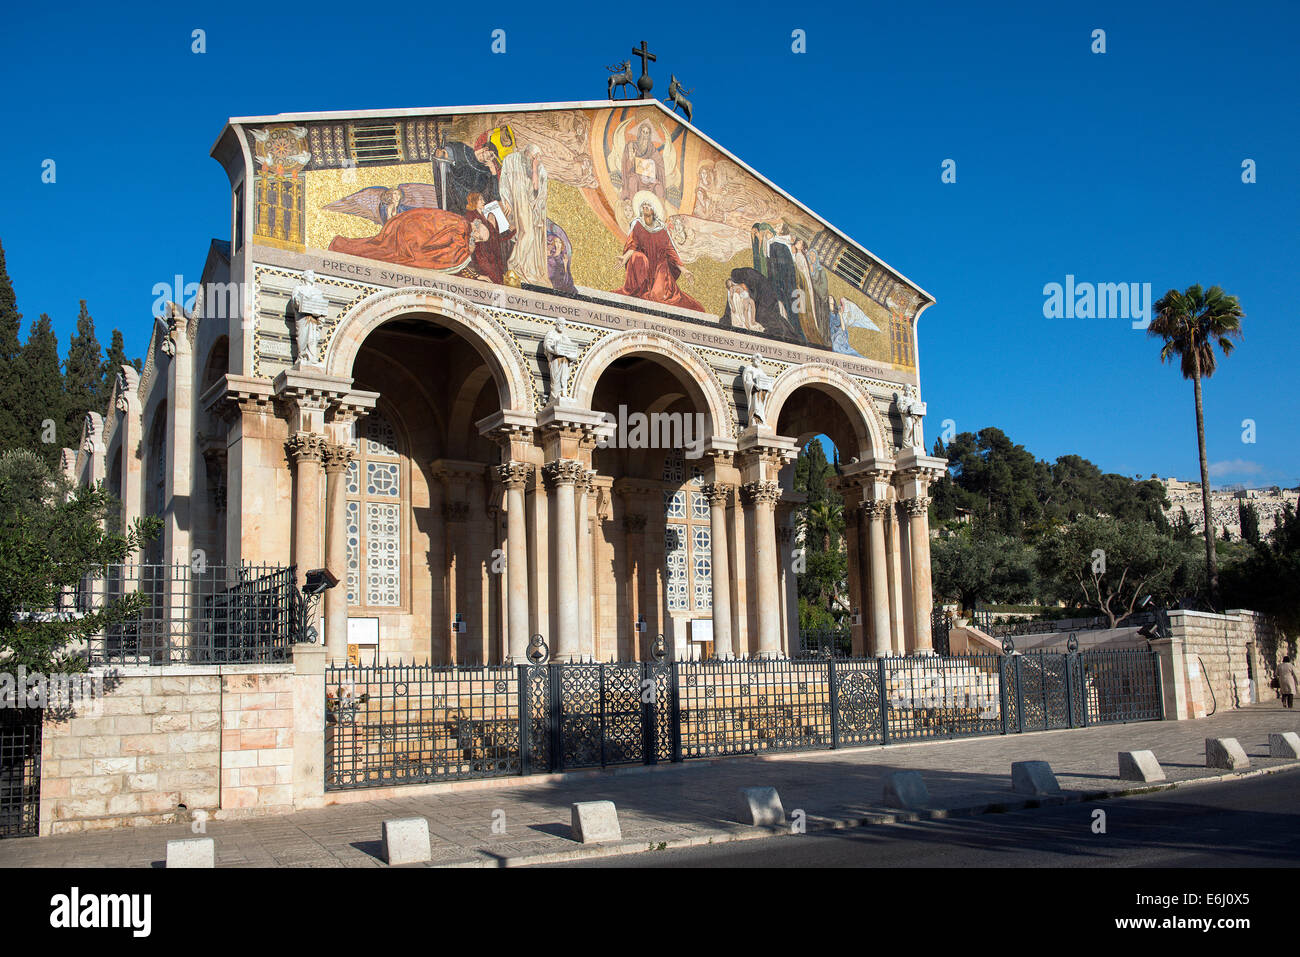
[[1254, 822], [693, 802]]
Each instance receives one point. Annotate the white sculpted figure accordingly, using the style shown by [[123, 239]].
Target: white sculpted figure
[[561, 353], [310, 307], [911, 410], [758, 387]]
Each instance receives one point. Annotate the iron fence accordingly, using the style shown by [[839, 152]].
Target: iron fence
[[941, 697], [753, 706], [396, 724], [20, 771], [192, 614], [405, 724]]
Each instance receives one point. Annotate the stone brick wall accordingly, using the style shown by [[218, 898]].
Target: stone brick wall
[[164, 742], [257, 740], [1229, 659]]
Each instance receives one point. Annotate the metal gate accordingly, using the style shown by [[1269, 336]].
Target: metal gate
[[20, 772], [419, 723], [596, 715]]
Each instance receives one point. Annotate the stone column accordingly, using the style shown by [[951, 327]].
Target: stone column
[[718, 496], [922, 599], [634, 552], [893, 547], [874, 513], [514, 476], [455, 514], [305, 450], [563, 475], [858, 629], [763, 497], [337, 458], [586, 637], [789, 590], [862, 597]]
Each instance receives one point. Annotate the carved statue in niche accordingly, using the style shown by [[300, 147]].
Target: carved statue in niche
[[310, 308], [912, 411], [561, 353], [758, 388]]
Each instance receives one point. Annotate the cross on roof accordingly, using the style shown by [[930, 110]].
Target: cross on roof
[[645, 55]]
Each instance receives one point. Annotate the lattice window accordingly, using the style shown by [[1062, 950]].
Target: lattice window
[[373, 485], [687, 538]]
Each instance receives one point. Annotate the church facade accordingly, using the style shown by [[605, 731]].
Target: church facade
[[534, 370]]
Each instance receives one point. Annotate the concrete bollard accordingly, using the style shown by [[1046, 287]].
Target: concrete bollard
[[1284, 745], [595, 821], [1033, 777], [1225, 753], [194, 852], [906, 790], [406, 841], [760, 807], [1140, 766]]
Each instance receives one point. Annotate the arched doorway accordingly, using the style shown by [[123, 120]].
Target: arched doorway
[[422, 503], [854, 511]]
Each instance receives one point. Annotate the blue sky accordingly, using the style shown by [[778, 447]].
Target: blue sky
[[1115, 167]]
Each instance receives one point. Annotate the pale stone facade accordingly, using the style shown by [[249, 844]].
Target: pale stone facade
[[182, 742], [1215, 663], [410, 440]]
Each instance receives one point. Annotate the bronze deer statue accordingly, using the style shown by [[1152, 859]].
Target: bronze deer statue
[[622, 76], [677, 96]]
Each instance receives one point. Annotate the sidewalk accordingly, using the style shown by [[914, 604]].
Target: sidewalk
[[682, 804]]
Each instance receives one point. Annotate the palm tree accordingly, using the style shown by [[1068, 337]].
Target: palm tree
[[825, 516], [1191, 323]]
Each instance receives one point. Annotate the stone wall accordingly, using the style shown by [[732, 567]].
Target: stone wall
[[166, 742], [152, 746], [1219, 662]]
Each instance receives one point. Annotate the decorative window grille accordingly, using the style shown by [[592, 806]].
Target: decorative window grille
[[687, 538], [373, 486]]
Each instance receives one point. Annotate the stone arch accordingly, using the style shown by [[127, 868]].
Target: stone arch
[[217, 363], [499, 350], [658, 347], [871, 432]]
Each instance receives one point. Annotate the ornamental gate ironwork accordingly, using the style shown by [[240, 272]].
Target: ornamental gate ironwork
[[596, 715], [396, 724], [20, 771]]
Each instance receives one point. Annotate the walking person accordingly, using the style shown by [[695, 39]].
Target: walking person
[[1286, 681]]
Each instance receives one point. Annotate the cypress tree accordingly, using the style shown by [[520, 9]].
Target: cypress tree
[[82, 375], [11, 432], [40, 407], [114, 359]]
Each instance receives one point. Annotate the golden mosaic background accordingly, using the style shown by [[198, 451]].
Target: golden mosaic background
[[582, 198]]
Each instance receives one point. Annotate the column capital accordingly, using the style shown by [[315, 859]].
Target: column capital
[[874, 509], [455, 511], [785, 533], [718, 493], [634, 524], [337, 457], [305, 446], [916, 506], [515, 475], [762, 493], [564, 472]]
